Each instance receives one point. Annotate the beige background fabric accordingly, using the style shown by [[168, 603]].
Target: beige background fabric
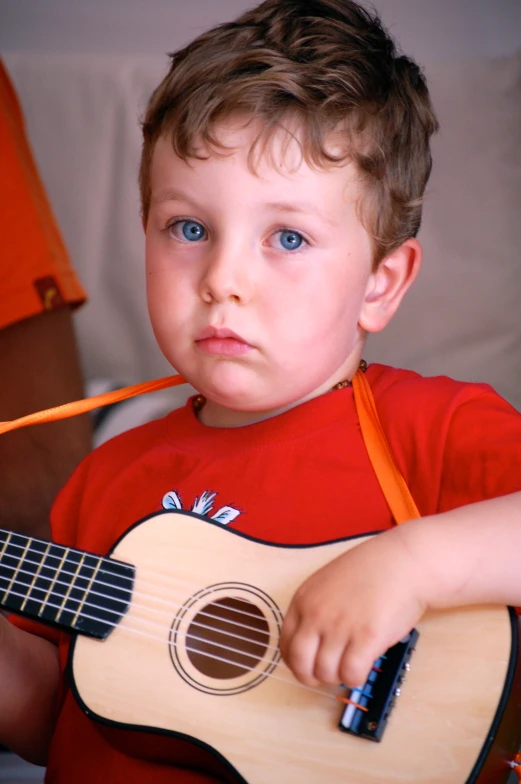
[[463, 316]]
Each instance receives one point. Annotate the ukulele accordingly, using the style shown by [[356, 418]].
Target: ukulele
[[176, 644]]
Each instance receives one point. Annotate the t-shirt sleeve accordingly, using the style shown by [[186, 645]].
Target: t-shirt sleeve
[[35, 271], [455, 443], [482, 455]]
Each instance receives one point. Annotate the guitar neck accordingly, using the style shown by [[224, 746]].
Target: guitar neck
[[62, 586]]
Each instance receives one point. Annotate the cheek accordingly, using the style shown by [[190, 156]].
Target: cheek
[[165, 303], [167, 320], [157, 292], [334, 301], [165, 282], [330, 321]]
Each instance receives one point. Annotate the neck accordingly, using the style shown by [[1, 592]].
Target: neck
[[212, 414]]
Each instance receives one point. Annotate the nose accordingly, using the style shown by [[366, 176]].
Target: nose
[[228, 275]]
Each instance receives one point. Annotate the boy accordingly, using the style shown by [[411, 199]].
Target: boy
[[284, 161]]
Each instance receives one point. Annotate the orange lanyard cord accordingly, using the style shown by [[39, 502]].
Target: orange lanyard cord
[[391, 481], [394, 486], [88, 404]]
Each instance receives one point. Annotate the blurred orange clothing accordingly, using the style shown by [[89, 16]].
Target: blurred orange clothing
[[35, 271]]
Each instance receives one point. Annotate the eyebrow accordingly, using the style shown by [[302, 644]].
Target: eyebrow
[[171, 194], [304, 207], [298, 207]]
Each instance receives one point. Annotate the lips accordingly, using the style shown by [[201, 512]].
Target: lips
[[221, 333], [221, 342]]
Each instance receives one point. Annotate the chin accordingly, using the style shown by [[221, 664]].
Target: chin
[[251, 402], [231, 386], [245, 402], [239, 387]]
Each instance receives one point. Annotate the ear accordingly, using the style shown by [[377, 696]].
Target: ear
[[388, 284]]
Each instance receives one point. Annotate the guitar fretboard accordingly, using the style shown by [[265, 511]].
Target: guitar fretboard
[[63, 586]]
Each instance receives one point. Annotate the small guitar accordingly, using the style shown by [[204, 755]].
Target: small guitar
[[176, 637]]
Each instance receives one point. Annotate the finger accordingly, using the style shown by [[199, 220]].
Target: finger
[[301, 654], [328, 660], [357, 662], [289, 628]]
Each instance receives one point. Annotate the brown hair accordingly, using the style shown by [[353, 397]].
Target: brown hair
[[330, 65]]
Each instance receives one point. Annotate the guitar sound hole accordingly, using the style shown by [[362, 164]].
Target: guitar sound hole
[[227, 638]]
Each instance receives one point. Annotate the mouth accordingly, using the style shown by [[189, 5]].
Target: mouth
[[222, 342]]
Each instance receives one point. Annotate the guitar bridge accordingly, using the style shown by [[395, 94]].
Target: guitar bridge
[[370, 705]]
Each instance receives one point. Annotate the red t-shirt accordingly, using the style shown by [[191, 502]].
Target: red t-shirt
[[299, 478]]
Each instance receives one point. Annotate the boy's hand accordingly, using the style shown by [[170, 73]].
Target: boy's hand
[[349, 612]]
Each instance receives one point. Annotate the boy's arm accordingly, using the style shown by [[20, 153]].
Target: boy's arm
[[29, 678], [350, 611], [471, 555]]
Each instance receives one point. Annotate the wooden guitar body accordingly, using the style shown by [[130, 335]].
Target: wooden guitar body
[[161, 670]]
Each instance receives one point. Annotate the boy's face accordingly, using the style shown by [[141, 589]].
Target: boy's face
[[260, 283]]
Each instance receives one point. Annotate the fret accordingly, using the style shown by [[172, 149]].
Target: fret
[[70, 586], [16, 570], [20, 571], [63, 586], [89, 588], [3, 578], [33, 581], [9, 534], [108, 597], [70, 591], [52, 584], [53, 589]]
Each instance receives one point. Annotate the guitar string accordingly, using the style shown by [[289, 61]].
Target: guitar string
[[170, 615], [164, 577], [174, 615], [136, 604], [259, 659], [167, 603], [195, 623], [221, 659], [165, 613], [172, 579], [121, 625]]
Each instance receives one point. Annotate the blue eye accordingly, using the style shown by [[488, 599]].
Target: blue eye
[[290, 240], [193, 231], [188, 230]]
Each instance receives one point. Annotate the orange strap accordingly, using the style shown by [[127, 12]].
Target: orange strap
[[81, 406], [391, 481], [394, 487]]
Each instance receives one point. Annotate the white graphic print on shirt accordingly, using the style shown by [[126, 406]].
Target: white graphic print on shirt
[[202, 505]]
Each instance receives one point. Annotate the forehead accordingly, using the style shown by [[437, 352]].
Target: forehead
[[244, 150]]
